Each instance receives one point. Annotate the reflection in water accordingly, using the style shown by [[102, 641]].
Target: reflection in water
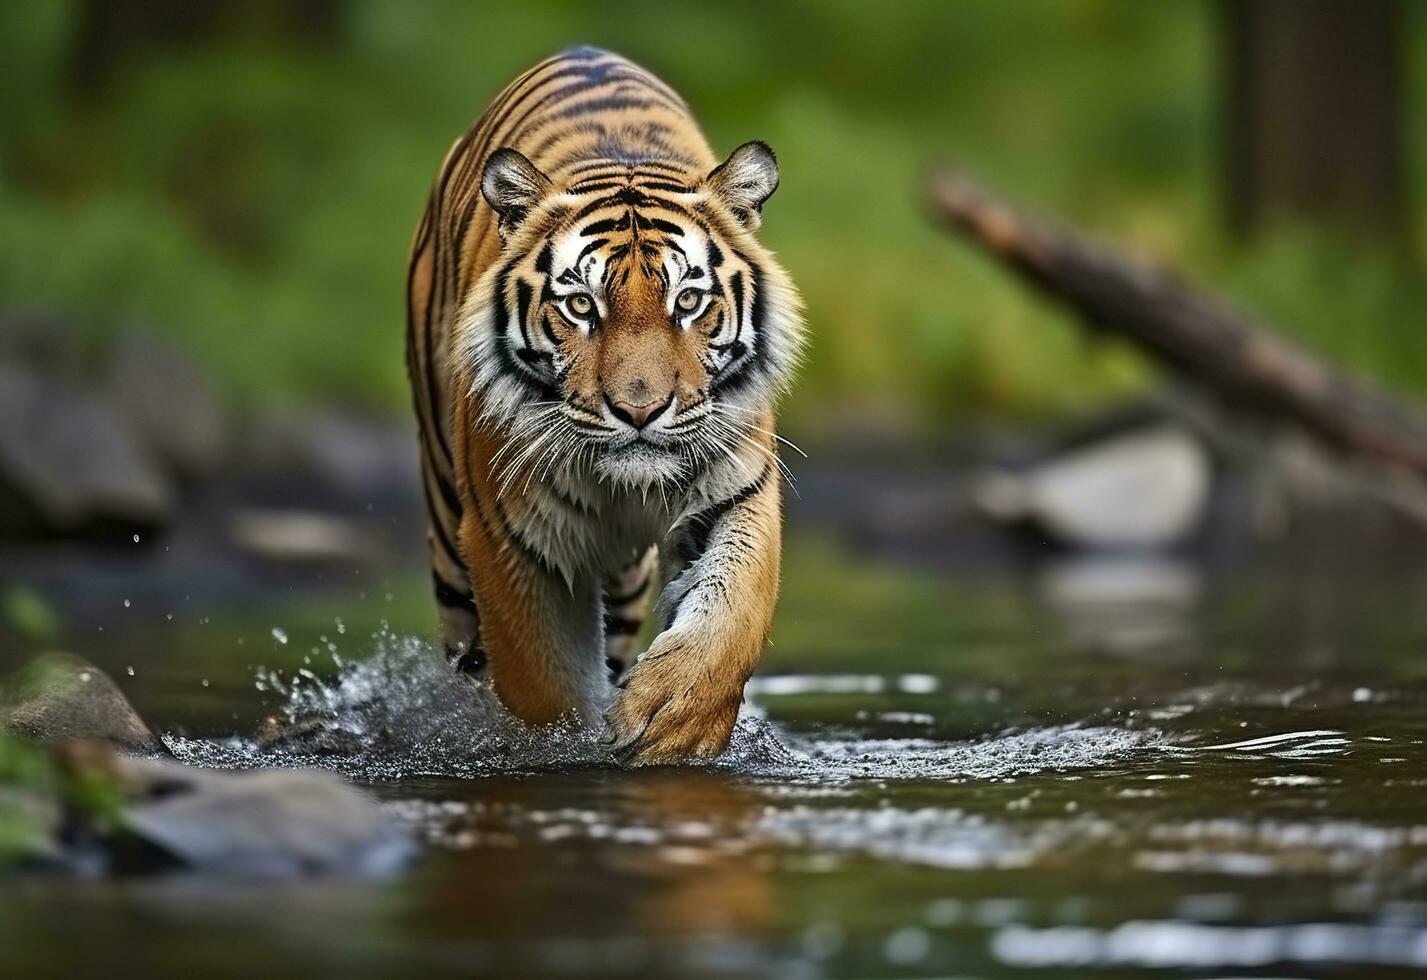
[[1134, 605], [930, 781]]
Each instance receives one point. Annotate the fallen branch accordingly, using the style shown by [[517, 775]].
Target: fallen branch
[[1242, 362]]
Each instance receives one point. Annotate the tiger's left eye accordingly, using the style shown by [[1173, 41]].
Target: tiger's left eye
[[688, 300]]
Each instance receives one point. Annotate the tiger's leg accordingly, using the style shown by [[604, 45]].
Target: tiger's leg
[[455, 603], [681, 698], [460, 627], [538, 628], [626, 603]]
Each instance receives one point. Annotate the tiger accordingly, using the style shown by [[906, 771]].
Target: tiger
[[597, 343]]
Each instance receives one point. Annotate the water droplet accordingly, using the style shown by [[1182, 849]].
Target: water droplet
[[341, 626], [169, 617], [280, 635], [129, 670], [127, 603], [136, 539], [1362, 694], [205, 682]]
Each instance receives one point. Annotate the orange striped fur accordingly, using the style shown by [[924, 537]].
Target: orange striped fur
[[596, 342]]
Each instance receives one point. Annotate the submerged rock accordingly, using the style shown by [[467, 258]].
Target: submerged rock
[[59, 697], [81, 807], [264, 823]]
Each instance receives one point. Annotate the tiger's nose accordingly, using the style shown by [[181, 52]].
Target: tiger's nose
[[639, 415]]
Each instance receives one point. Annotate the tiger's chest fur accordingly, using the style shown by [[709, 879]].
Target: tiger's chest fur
[[587, 527]]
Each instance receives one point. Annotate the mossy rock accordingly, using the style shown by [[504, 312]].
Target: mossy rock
[[59, 697]]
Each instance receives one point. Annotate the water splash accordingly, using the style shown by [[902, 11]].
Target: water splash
[[403, 713]]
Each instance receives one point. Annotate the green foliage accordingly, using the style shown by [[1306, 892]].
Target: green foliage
[[28, 785], [25, 612], [255, 195]]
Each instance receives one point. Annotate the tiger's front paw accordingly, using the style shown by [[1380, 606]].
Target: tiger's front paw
[[672, 708]]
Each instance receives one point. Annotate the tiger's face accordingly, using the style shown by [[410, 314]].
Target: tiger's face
[[633, 324]]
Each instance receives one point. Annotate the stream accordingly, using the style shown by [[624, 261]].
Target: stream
[[1105, 769]]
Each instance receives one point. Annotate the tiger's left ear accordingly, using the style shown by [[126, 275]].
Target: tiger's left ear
[[745, 180]]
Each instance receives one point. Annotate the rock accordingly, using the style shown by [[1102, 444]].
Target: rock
[[43, 341], [69, 466], [58, 697], [168, 404], [263, 823], [1143, 489], [81, 807], [349, 456], [300, 537]]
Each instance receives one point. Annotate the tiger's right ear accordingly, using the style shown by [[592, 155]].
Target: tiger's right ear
[[512, 186]]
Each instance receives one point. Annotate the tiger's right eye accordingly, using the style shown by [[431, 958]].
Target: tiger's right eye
[[581, 304]]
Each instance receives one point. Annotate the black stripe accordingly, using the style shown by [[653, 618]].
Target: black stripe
[[620, 625], [606, 103], [515, 366], [590, 246], [603, 163], [661, 165], [751, 360], [624, 598], [701, 525], [667, 227], [523, 296], [608, 224], [419, 343], [438, 529], [451, 597], [599, 185]]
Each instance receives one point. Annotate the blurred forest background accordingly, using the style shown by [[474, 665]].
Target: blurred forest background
[[244, 178]]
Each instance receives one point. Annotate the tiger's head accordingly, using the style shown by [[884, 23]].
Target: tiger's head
[[633, 324]]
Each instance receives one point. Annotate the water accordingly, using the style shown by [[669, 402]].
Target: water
[[933, 776]]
